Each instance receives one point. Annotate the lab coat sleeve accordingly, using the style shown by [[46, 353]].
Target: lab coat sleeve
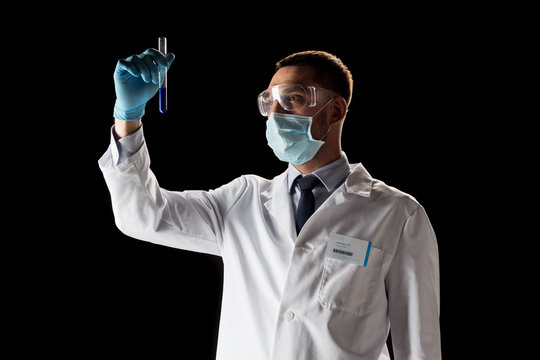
[[413, 291], [189, 220]]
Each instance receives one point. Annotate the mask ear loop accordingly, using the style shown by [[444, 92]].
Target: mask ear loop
[[326, 133], [318, 111]]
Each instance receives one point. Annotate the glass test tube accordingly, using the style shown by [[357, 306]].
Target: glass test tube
[[162, 47]]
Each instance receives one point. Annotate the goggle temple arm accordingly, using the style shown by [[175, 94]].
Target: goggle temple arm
[[275, 93], [313, 96]]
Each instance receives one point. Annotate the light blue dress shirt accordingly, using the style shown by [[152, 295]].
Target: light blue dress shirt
[[332, 176]]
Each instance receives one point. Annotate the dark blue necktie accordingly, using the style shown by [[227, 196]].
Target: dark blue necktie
[[306, 205]]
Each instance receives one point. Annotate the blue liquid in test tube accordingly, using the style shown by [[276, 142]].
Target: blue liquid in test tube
[[162, 47]]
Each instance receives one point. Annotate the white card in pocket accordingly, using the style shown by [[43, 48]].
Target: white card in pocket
[[348, 248]]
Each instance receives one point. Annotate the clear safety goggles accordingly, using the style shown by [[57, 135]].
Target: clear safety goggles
[[292, 97]]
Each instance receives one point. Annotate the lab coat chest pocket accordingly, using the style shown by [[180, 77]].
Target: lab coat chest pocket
[[348, 286]]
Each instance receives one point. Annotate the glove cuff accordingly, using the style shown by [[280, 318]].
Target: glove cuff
[[129, 115]]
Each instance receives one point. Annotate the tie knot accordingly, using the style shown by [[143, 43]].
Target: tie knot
[[308, 182]]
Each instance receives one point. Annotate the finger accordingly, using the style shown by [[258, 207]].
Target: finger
[[127, 65], [170, 58], [152, 68], [159, 58], [143, 69]]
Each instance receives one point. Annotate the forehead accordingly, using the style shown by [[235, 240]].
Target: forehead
[[294, 74]]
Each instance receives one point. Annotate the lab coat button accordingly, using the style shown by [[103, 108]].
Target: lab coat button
[[289, 315]]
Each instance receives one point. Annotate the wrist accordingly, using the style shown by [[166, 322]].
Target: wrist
[[133, 114], [123, 128]]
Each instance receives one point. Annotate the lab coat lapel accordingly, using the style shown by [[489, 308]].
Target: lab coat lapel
[[280, 206], [279, 203]]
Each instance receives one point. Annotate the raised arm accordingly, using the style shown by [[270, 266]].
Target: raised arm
[[190, 220]]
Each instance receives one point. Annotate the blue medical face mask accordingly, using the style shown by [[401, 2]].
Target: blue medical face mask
[[289, 136]]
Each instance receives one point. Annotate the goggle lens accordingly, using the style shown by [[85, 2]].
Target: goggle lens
[[290, 97]]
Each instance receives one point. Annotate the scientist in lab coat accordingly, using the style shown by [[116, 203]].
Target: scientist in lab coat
[[321, 261]]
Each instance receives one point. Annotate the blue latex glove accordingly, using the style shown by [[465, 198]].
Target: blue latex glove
[[136, 82]]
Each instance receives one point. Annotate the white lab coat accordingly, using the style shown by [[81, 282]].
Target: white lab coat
[[283, 299]]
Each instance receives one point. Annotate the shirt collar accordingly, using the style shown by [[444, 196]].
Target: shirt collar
[[331, 175]]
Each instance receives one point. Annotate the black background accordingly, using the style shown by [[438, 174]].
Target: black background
[[421, 119]]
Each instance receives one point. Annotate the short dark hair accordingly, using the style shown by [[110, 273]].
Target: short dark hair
[[329, 69]]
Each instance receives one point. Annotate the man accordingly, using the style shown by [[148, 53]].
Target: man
[[320, 261]]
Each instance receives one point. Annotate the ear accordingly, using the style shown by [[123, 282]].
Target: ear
[[339, 110]]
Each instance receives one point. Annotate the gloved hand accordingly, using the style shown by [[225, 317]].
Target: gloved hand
[[136, 82]]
